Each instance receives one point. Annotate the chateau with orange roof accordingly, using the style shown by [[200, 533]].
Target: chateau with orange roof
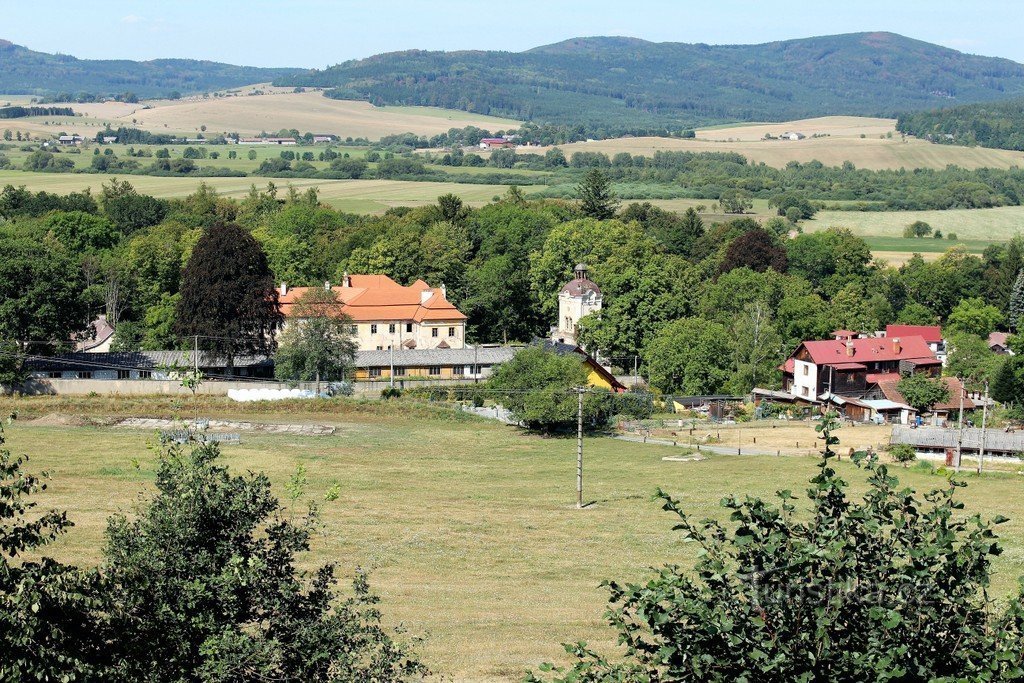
[[388, 315]]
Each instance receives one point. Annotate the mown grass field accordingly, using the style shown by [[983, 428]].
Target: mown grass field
[[468, 528], [992, 225], [251, 114], [354, 196]]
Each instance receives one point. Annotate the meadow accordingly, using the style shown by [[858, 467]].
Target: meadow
[[354, 196], [468, 528]]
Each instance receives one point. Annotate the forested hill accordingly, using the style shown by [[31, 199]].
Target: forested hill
[[624, 82], [24, 71], [990, 124]]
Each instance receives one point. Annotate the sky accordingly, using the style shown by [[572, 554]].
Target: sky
[[318, 33]]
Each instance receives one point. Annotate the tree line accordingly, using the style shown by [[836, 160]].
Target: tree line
[[19, 112]]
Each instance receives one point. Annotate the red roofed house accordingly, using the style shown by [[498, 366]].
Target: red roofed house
[[388, 315], [932, 334], [848, 367]]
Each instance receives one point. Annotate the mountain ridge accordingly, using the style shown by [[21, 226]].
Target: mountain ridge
[[624, 83]]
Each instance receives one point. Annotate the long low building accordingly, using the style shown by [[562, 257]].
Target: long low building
[[145, 365], [467, 363], [937, 440]]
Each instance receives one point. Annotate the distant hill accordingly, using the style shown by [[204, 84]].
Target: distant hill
[[24, 71], [990, 124], [626, 83]]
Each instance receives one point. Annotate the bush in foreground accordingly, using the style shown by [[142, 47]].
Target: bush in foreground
[[889, 588]]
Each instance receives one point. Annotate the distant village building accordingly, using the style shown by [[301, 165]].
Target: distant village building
[[579, 297], [497, 143], [387, 315], [109, 139], [318, 139], [791, 135], [998, 344], [100, 337], [268, 141], [68, 140]]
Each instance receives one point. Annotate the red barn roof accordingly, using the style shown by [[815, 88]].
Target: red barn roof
[[931, 333], [868, 350]]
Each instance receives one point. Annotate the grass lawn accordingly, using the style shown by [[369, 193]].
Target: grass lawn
[[467, 527], [979, 225]]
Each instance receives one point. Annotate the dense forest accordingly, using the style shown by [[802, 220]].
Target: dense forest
[[682, 295], [38, 73], [18, 112], [624, 84], [991, 124]]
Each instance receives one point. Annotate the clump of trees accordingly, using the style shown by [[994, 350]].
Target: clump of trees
[[849, 589], [201, 585]]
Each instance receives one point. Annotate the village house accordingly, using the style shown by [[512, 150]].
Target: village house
[[98, 337], [69, 140], [791, 135], [497, 143], [998, 344], [940, 413], [318, 139], [848, 366], [268, 141], [388, 315]]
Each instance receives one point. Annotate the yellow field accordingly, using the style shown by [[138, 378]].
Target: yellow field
[[355, 196], [997, 224], [843, 144], [251, 114], [833, 126]]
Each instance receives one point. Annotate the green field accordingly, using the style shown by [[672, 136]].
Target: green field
[[980, 225], [468, 528], [355, 196]]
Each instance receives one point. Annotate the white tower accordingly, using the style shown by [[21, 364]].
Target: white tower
[[579, 297]]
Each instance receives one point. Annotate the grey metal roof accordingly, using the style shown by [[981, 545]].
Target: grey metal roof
[[938, 437], [145, 360], [484, 355]]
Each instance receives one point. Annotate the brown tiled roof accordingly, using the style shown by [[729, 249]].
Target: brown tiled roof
[[578, 286], [955, 386]]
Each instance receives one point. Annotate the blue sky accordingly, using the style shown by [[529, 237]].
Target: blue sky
[[317, 33]]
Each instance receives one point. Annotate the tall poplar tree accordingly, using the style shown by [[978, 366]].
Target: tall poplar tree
[[1017, 301]]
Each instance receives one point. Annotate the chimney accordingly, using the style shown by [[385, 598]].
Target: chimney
[[327, 285], [346, 281], [284, 288], [444, 291], [849, 348], [896, 346]]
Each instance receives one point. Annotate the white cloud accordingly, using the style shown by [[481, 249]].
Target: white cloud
[[132, 19]]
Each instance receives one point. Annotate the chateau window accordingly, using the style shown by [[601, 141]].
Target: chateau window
[[354, 329], [408, 327], [451, 331], [373, 329], [391, 328], [433, 332]]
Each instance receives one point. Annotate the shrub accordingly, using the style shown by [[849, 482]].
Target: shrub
[[903, 453]]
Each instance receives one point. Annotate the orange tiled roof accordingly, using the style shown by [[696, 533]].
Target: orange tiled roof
[[376, 298]]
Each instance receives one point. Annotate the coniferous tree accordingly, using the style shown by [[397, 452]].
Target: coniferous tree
[[228, 298], [1017, 301], [596, 197]]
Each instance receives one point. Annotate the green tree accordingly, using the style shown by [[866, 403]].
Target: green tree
[[228, 298], [595, 195], [82, 232], [922, 392], [1008, 385], [318, 345], [756, 250], [41, 307], [916, 314], [203, 585], [251, 155], [849, 590], [970, 358], [48, 629], [538, 386], [690, 355], [902, 453], [974, 316], [917, 229], [1017, 302], [757, 350], [735, 201]]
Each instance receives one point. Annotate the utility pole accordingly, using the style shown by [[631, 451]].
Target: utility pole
[[579, 447], [392, 375], [195, 357], [960, 436], [984, 415], [476, 363], [636, 374]]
